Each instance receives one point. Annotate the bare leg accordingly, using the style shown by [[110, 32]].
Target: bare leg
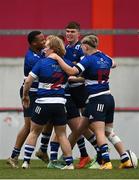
[[54, 137], [34, 134], [20, 139], [80, 128], [31, 143], [45, 138], [47, 128], [99, 130], [23, 133], [73, 123], [118, 143], [88, 133], [63, 140]]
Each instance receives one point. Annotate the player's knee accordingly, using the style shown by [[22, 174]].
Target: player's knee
[[112, 137]]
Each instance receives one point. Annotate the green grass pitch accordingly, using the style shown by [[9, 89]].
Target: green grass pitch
[[38, 170]]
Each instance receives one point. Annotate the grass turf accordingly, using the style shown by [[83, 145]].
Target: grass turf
[[38, 170]]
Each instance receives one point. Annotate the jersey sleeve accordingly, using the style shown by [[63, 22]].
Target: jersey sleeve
[[83, 64], [80, 53], [110, 60], [35, 70], [27, 66]]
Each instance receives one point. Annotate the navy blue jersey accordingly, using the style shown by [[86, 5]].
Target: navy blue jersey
[[96, 69], [31, 58], [74, 52], [51, 78]]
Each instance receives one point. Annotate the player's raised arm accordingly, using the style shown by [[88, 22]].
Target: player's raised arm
[[68, 69]]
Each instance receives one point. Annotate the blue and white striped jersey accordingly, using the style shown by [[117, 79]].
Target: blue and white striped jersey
[[51, 78], [96, 69]]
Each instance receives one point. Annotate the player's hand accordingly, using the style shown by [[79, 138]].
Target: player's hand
[[72, 78], [76, 79], [26, 101]]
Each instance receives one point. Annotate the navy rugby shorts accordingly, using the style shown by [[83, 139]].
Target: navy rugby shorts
[[71, 109], [78, 95], [52, 113], [100, 108]]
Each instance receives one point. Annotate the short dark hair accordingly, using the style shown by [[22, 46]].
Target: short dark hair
[[32, 35], [73, 25], [61, 36]]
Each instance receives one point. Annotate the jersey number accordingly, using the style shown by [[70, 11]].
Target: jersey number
[[59, 82], [103, 75]]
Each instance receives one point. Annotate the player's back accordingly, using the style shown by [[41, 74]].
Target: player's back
[[97, 69], [51, 77]]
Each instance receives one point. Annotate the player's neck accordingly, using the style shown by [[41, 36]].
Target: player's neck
[[92, 51], [73, 42], [35, 50]]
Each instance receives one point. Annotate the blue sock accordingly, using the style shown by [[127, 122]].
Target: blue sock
[[93, 141], [99, 156], [54, 150], [44, 141], [81, 146], [68, 160], [15, 152], [28, 152], [124, 157], [104, 153]]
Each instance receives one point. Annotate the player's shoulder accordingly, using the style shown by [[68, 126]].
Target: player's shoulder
[[29, 52], [104, 54], [31, 55], [77, 46]]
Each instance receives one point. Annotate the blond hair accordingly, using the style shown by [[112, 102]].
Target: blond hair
[[56, 44], [91, 40]]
